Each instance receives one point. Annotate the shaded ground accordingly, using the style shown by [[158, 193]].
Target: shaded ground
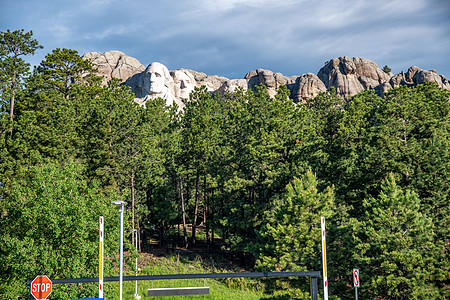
[[209, 253]]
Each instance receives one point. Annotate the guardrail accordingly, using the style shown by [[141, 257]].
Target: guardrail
[[312, 274]]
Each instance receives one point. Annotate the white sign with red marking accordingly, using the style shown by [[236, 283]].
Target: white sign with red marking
[[100, 258], [355, 277], [324, 259]]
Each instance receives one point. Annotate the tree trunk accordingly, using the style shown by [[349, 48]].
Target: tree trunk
[[139, 227], [132, 208], [178, 232], [197, 196], [13, 99], [208, 244], [205, 213], [139, 236], [161, 234], [183, 211]]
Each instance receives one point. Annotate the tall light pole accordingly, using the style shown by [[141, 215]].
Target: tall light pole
[[136, 296], [120, 204]]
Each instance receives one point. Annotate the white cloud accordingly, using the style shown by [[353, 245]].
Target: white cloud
[[223, 5]]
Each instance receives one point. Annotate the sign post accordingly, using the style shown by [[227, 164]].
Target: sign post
[[41, 287], [356, 281], [100, 257], [324, 260]]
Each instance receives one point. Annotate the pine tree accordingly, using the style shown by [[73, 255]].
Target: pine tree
[[13, 69], [396, 246], [290, 238]]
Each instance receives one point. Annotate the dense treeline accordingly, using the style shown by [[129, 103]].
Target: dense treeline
[[256, 171]]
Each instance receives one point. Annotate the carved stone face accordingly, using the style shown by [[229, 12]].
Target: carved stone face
[[156, 78], [184, 84]]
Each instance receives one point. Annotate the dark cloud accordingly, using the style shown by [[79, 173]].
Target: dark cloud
[[231, 37]]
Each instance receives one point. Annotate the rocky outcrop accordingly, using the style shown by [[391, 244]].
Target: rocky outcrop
[[114, 64], [212, 83], [271, 80], [413, 76], [351, 75], [418, 76], [397, 80], [348, 76], [265, 77], [307, 86], [231, 85]]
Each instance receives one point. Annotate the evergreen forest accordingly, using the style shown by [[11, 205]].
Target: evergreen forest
[[255, 173]]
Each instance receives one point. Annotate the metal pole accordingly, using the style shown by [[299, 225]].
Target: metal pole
[[314, 289], [135, 273], [101, 248], [121, 252], [324, 260], [121, 208], [356, 293]]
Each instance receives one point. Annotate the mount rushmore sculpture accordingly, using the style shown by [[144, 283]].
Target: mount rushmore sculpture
[[348, 76]]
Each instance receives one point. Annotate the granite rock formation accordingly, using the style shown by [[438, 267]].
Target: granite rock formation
[[114, 64], [231, 85], [307, 86], [351, 75], [413, 76], [212, 83], [348, 76], [271, 80]]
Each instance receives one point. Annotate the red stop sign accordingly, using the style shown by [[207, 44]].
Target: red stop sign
[[41, 287]]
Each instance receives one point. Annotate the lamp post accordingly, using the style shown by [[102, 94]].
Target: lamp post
[[120, 204], [136, 296]]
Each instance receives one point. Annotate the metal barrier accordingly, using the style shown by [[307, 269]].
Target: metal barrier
[[312, 274]]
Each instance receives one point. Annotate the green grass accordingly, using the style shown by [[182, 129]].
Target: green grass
[[227, 288]]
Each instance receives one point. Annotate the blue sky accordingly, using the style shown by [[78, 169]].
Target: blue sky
[[232, 37]]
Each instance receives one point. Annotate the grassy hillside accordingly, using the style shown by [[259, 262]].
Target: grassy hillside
[[229, 288]]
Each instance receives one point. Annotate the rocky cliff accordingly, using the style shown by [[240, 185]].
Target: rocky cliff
[[351, 75], [114, 64], [348, 76]]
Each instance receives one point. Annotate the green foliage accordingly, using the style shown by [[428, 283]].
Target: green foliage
[[386, 69], [13, 45], [371, 137], [265, 142], [62, 69], [47, 123], [290, 239], [230, 162], [49, 225], [110, 128], [13, 69], [155, 164], [346, 147], [396, 246]]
